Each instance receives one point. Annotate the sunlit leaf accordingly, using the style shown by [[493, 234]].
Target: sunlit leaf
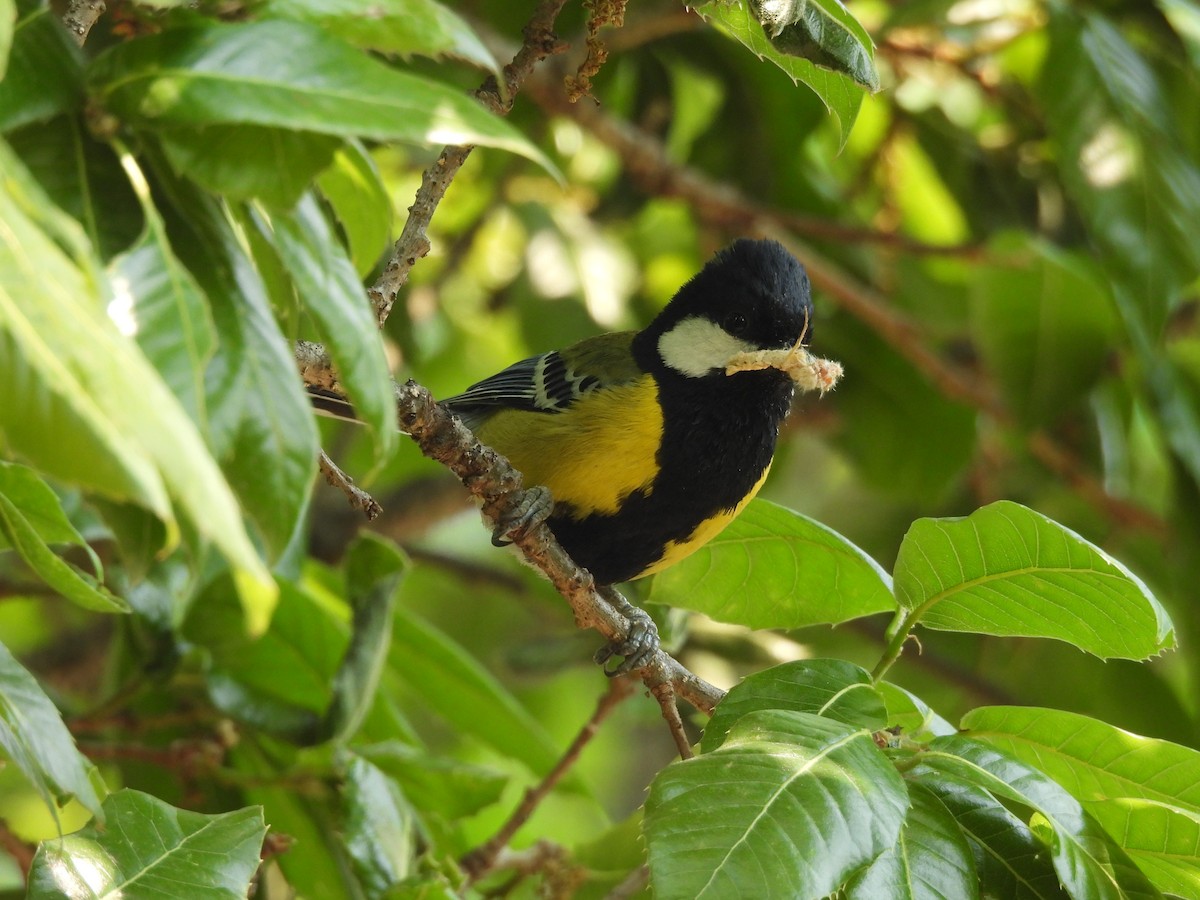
[[360, 201], [774, 568], [788, 806], [1008, 570], [424, 27], [34, 737], [831, 688], [148, 848], [288, 75], [1088, 862]]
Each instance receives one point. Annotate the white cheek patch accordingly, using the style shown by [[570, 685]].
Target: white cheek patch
[[697, 345]]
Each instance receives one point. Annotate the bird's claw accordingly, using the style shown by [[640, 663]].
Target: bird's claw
[[639, 645], [535, 507]]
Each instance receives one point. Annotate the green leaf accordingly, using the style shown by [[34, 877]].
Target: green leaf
[[821, 31], [333, 295], [1007, 570], [435, 782], [1124, 163], [789, 806], [34, 737], [1044, 324], [288, 75], [912, 715], [39, 506], [260, 421], [8, 21], [360, 201], [76, 585], [831, 688], [460, 690], [92, 410], [374, 568], [381, 831], [774, 568], [1145, 792], [151, 849], [164, 306], [246, 161], [1163, 840], [423, 27], [930, 861], [841, 96], [84, 178], [1088, 862], [1011, 862], [44, 75]]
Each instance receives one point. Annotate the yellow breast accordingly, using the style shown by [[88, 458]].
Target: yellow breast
[[674, 551], [593, 454]]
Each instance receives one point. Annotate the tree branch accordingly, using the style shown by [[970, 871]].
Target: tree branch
[[80, 16], [413, 243]]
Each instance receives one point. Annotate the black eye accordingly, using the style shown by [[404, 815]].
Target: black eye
[[735, 324]]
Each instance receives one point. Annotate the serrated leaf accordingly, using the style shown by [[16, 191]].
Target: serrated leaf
[[841, 96], [361, 203], [821, 31], [1011, 862], [34, 737], [44, 75], [931, 860], [831, 688], [419, 26], [381, 832], [246, 161], [288, 75], [774, 568], [92, 410], [151, 849], [332, 293], [1007, 570], [1088, 862], [788, 806]]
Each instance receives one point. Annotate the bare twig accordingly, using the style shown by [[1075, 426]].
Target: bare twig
[[359, 499], [600, 13], [413, 243], [80, 16], [664, 693], [480, 861]]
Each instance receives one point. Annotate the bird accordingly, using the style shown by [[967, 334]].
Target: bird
[[651, 442]]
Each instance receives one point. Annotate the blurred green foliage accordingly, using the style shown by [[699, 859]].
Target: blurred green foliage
[[1002, 244]]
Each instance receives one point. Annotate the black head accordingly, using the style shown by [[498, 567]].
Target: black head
[[753, 295]]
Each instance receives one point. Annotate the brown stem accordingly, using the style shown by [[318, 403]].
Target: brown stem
[[80, 16], [480, 861], [359, 499]]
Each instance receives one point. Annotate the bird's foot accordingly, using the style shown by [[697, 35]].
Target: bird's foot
[[640, 643], [535, 507]]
